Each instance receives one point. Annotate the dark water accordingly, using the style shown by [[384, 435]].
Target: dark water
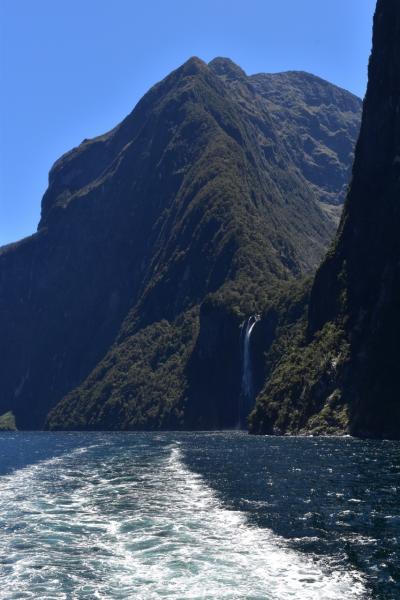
[[187, 515]]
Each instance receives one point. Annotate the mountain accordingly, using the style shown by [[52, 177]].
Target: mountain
[[340, 371], [158, 238], [319, 141]]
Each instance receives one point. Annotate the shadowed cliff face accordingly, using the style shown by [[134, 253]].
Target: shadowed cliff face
[[214, 370], [367, 245], [366, 259], [193, 193], [351, 357]]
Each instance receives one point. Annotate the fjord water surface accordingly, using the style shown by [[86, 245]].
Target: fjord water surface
[[196, 515]]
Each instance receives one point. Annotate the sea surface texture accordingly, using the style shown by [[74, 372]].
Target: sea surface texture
[[194, 515]]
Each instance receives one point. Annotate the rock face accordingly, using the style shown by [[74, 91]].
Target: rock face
[[194, 193], [318, 139], [345, 374]]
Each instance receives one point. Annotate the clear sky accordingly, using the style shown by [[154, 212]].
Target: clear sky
[[72, 69]]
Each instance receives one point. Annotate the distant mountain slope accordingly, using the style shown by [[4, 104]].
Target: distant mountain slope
[[318, 123], [344, 374], [193, 193]]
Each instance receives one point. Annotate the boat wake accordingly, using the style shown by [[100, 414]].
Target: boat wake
[[138, 524]]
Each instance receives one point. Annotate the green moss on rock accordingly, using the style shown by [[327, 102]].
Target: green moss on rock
[[7, 422]]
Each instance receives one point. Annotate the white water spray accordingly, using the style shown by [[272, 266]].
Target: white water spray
[[133, 522], [247, 370]]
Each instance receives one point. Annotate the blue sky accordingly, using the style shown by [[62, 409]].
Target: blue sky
[[72, 69]]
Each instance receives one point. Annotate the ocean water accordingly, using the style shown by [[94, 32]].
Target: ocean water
[[198, 515]]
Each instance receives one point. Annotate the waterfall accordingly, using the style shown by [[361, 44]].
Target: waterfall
[[247, 395]]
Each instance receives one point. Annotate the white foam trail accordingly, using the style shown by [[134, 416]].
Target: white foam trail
[[129, 526]]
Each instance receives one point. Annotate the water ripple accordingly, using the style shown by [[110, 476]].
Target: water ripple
[[136, 523]]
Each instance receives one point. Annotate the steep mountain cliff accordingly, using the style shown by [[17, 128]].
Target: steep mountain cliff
[[343, 375], [318, 140], [157, 235]]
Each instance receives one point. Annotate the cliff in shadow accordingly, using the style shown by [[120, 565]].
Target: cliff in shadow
[[341, 374]]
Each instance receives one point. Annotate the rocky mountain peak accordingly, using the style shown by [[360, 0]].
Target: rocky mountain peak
[[225, 67]]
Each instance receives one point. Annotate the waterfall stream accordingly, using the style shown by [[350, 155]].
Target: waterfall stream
[[247, 395]]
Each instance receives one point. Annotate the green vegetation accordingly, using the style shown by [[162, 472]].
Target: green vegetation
[[7, 422], [340, 369], [321, 143], [139, 385], [303, 392], [157, 239]]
